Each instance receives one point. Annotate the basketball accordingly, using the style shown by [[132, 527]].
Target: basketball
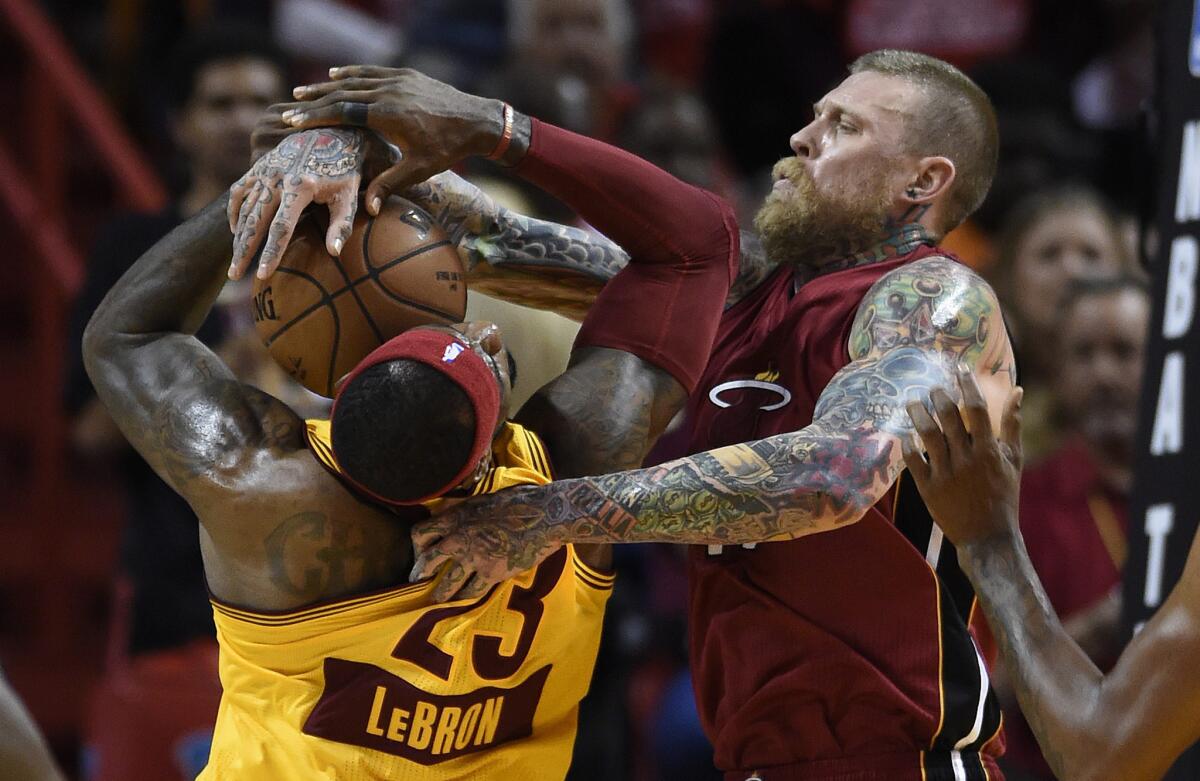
[[320, 315]]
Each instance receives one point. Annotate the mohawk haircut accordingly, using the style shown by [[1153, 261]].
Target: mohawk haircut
[[403, 430], [956, 122]]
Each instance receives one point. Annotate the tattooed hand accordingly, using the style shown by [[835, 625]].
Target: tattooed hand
[[320, 166], [969, 479], [435, 125], [482, 548]]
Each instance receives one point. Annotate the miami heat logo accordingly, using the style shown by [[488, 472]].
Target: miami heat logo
[[763, 381]]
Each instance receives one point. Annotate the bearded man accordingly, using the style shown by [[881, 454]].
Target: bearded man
[[845, 655]]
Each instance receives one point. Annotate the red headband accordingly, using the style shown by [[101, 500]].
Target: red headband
[[452, 356]]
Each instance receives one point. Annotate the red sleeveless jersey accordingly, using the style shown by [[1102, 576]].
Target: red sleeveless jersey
[[842, 655]]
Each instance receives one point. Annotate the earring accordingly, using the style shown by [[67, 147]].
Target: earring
[[911, 192]]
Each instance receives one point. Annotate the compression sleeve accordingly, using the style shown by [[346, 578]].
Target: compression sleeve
[[682, 241]]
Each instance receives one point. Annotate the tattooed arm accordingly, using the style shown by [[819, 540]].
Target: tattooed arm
[[178, 405], [1130, 724], [912, 328], [521, 259]]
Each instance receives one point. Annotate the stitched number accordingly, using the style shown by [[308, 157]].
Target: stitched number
[[487, 660]]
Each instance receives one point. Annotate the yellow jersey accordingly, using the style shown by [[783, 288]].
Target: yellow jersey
[[389, 685]]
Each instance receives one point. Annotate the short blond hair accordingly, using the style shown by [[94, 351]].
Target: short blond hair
[[957, 122]]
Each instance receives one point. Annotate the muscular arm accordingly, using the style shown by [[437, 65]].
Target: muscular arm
[[911, 330], [521, 259], [178, 405], [1130, 724]]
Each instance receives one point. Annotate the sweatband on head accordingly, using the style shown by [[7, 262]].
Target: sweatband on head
[[452, 356]]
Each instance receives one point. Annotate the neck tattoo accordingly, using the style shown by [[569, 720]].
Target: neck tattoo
[[900, 240]]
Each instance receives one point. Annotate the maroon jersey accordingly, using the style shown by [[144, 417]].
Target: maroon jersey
[[842, 655]]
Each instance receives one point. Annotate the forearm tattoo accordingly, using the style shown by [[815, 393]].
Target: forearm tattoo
[[786, 485], [509, 254], [914, 326]]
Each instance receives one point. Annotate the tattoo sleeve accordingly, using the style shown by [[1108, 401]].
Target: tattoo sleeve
[[912, 329], [521, 259], [175, 401]]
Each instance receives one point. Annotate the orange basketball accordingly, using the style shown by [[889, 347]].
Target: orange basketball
[[320, 315]]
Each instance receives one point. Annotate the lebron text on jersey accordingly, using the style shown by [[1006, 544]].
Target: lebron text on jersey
[[389, 685]]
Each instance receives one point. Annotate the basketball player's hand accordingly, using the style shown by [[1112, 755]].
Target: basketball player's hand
[[482, 542], [970, 479], [269, 130], [434, 125], [318, 166]]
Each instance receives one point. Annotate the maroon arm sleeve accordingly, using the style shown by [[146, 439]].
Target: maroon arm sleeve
[[682, 241]]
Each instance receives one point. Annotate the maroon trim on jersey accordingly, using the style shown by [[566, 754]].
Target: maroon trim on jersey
[[960, 664], [367, 706]]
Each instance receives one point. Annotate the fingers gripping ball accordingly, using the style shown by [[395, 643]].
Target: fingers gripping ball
[[320, 315]]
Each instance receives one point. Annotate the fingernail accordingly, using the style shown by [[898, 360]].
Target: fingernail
[[299, 92], [295, 119], [376, 204], [337, 246], [334, 71], [288, 114]]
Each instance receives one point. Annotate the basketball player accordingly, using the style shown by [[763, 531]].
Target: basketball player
[[844, 655], [332, 663], [1130, 724]]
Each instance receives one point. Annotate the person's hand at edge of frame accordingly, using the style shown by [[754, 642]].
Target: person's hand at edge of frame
[[969, 478], [434, 125]]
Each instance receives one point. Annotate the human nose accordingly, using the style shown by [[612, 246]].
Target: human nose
[[803, 141]]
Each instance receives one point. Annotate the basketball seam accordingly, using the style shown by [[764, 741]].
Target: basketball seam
[[374, 274], [337, 262], [337, 342], [326, 300], [329, 297]]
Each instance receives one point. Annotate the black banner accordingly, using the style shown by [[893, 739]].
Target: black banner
[[1165, 509]]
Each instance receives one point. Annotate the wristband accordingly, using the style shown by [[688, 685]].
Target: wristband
[[505, 135]]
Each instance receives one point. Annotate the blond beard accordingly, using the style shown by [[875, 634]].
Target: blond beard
[[806, 228]]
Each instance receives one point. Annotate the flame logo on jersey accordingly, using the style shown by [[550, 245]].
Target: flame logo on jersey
[[764, 380]]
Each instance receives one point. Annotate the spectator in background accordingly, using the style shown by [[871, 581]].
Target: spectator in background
[[1041, 142], [1074, 505], [570, 62], [152, 717], [1050, 239], [672, 128]]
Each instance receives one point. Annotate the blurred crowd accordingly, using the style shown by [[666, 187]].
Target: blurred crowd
[[710, 90]]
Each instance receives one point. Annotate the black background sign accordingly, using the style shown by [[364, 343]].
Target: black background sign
[[1166, 497]]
